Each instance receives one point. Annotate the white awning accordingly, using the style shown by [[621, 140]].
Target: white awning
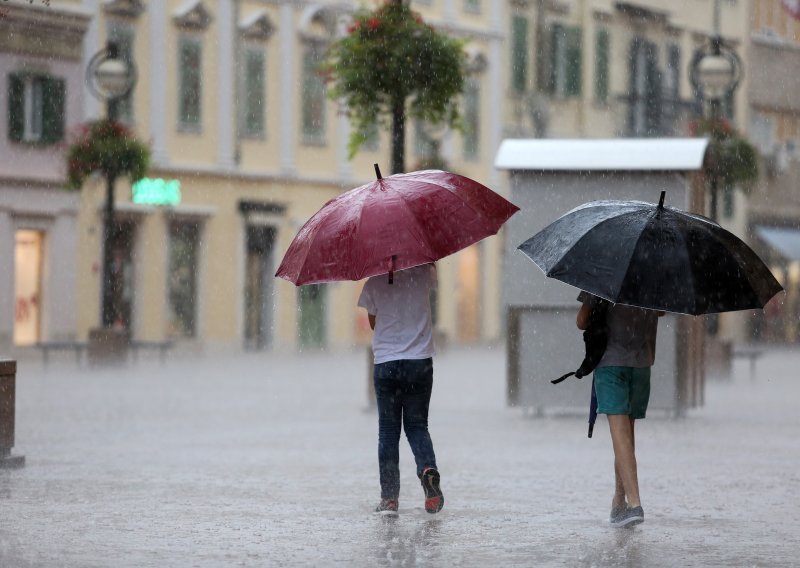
[[609, 154], [784, 240]]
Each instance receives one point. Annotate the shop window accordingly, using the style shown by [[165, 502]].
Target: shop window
[[36, 108], [28, 259], [182, 279]]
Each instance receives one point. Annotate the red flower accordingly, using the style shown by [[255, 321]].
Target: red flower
[[354, 27], [373, 23], [417, 17]]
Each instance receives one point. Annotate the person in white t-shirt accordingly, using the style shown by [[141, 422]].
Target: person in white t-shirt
[[400, 315]]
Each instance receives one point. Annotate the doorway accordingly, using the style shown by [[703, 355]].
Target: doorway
[[123, 275], [28, 262], [312, 328], [469, 289], [258, 292]]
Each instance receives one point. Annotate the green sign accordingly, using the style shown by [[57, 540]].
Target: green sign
[[149, 191]]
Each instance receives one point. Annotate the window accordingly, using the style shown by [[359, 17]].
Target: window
[[123, 36], [472, 118], [519, 53], [671, 91], [36, 108], [190, 72], [601, 65], [473, 6], [313, 114], [565, 61], [254, 92], [182, 278]]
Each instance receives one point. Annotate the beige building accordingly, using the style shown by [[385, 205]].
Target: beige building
[[237, 116], [229, 99]]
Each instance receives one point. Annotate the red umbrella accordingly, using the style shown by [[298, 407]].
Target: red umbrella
[[393, 223]]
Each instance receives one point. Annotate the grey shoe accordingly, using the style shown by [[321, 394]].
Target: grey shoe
[[616, 512], [628, 517]]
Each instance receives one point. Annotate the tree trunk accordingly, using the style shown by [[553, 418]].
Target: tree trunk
[[398, 135]]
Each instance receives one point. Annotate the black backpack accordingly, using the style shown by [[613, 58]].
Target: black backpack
[[595, 339]]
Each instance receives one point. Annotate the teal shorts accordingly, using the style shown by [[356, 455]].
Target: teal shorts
[[622, 390]]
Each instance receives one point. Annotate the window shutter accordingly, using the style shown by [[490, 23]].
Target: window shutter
[[16, 107], [652, 91], [519, 54], [254, 93], [601, 68], [556, 39], [53, 100], [572, 87], [633, 91]]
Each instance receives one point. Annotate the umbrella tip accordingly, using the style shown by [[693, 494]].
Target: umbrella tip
[[378, 171], [661, 200]]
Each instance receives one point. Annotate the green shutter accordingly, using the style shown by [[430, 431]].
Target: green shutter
[[572, 85], [16, 107], [471, 119], [652, 91], [190, 82], [556, 43], [53, 100], [519, 53], [601, 66], [254, 93]]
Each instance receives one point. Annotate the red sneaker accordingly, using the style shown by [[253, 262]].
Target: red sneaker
[[434, 499], [387, 507]]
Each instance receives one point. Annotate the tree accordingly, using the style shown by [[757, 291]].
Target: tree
[[391, 65]]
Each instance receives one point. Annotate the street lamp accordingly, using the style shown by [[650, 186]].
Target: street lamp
[[715, 72], [110, 79]]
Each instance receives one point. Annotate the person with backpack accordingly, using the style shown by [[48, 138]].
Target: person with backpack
[[622, 386], [399, 311]]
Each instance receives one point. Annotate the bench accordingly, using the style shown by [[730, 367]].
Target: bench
[[161, 346], [78, 347], [751, 353]]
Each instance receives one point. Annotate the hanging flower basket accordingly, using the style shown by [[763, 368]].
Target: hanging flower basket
[[109, 148], [390, 54], [732, 157]]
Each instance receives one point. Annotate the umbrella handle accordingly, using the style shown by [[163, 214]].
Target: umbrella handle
[[391, 268]]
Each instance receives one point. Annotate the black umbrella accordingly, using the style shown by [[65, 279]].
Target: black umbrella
[[651, 256]]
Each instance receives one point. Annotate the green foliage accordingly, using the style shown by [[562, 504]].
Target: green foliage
[[389, 55], [730, 156], [108, 147]]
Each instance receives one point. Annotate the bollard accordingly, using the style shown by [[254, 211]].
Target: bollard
[[8, 379]]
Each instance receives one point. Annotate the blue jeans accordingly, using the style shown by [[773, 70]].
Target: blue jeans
[[403, 390]]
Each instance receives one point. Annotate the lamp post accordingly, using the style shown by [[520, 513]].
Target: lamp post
[[109, 78], [715, 72]]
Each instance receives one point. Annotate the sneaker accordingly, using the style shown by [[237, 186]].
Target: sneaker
[[616, 512], [434, 500], [387, 507], [629, 517]]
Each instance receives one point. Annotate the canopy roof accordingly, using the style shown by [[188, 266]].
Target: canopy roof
[[609, 154]]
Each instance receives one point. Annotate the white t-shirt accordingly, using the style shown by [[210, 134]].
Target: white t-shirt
[[402, 313]]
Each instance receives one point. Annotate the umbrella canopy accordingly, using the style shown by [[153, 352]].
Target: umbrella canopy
[[654, 257], [393, 223]]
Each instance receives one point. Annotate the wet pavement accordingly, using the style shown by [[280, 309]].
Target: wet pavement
[[270, 460]]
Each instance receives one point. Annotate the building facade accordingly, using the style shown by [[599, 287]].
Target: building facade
[[231, 102], [41, 94], [230, 98]]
